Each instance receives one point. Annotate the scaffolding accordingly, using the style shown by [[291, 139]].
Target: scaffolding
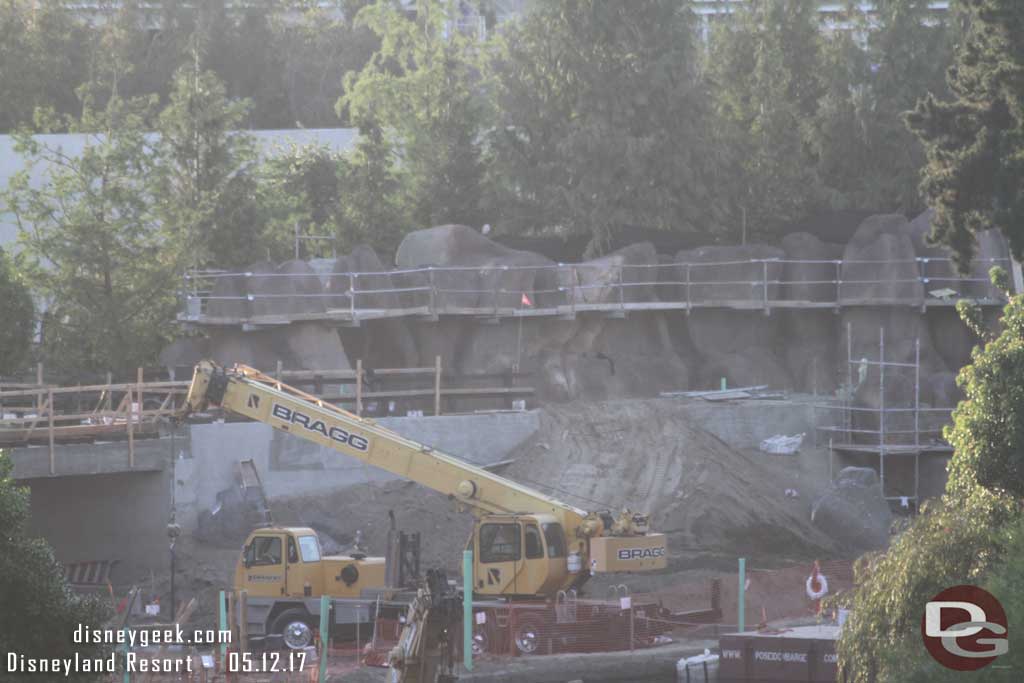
[[893, 429]]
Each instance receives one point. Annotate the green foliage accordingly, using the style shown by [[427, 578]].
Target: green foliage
[[373, 208], [988, 425], [43, 59], [17, 314], [422, 88], [975, 143], [969, 536], [93, 251], [866, 156], [203, 186], [602, 121], [38, 613], [284, 55], [763, 70]]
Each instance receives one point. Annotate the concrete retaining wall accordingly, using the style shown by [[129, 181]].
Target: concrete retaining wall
[[98, 509]]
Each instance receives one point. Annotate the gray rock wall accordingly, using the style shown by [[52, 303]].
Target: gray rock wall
[[886, 272]]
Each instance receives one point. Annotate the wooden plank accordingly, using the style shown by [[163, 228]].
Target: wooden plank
[[53, 463]]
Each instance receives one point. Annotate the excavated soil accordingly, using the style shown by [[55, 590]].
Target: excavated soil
[[716, 503]]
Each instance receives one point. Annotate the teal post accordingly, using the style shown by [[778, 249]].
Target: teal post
[[723, 384], [325, 634], [467, 609], [223, 613], [127, 676], [742, 599]]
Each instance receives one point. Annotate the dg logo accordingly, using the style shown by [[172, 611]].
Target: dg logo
[[964, 628]]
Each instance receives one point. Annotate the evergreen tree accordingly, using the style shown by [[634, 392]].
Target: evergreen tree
[[18, 316], [601, 121], [974, 178], [204, 187], [867, 158], [762, 68], [422, 87], [372, 204], [93, 249]]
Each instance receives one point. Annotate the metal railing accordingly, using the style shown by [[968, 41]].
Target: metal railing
[[234, 298]]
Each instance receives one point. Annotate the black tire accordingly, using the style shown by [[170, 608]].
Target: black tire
[[296, 629], [528, 636]]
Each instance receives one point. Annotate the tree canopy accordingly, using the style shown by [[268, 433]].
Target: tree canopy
[[17, 312], [601, 121], [974, 176]]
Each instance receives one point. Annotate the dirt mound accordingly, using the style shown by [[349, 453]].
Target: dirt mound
[[647, 455]]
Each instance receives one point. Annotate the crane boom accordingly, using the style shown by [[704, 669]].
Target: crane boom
[[247, 392]]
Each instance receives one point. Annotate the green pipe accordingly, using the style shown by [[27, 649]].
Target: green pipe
[[223, 612], [467, 609], [741, 600], [325, 635]]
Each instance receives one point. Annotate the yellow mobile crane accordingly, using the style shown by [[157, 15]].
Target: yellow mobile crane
[[525, 544]]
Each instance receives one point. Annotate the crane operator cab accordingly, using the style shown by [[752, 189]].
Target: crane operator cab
[[530, 554]]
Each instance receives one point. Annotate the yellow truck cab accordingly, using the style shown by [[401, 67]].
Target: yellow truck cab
[[284, 573]]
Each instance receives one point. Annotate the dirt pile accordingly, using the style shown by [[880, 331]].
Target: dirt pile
[[647, 455]]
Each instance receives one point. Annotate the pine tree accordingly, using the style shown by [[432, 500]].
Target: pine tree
[[974, 177], [422, 88], [867, 158], [762, 68], [601, 121]]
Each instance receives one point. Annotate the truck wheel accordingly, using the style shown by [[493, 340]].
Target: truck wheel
[[527, 636], [295, 630]]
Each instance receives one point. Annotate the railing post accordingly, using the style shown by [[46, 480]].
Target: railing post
[[53, 464], [839, 281], [39, 381], [764, 283], [689, 306], [572, 289], [139, 380], [497, 281], [359, 387], [325, 635], [352, 295], [131, 437], [622, 296], [437, 385], [433, 291]]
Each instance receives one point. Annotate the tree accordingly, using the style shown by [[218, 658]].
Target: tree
[[763, 66], [95, 254], [968, 535], [372, 208], [17, 312], [867, 158], [601, 121], [204, 187], [43, 60], [974, 144], [38, 612], [422, 88]]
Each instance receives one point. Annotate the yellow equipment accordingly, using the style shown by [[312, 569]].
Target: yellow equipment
[[525, 543]]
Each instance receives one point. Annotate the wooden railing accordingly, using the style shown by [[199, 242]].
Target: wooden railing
[[46, 414]]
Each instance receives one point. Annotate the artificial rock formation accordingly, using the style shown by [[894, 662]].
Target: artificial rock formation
[[617, 353]]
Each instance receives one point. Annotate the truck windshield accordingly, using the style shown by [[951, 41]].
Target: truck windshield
[[310, 548]]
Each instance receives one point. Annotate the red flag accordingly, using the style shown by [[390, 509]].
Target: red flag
[[526, 300]]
